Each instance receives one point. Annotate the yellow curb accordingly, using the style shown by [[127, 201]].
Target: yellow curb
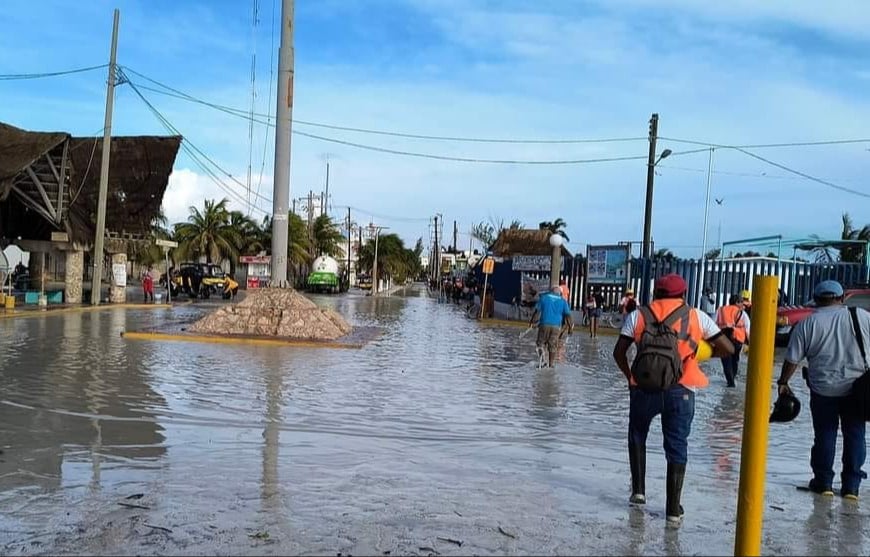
[[83, 309], [133, 335], [518, 324]]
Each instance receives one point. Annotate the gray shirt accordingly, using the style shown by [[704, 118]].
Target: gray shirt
[[827, 341]]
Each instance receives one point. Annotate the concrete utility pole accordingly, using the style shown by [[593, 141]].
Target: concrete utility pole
[[375, 281], [455, 234], [650, 177], [326, 207], [283, 121], [97, 280], [348, 247], [437, 254]]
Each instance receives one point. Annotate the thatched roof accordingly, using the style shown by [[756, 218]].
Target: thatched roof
[[138, 175], [524, 242], [19, 148]]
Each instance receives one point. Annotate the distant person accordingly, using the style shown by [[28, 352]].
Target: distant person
[[564, 290], [553, 311], [627, 304], [708, 302], [599, 302], [827, 340], [231, 288], [593, 312], [746, 297], [662, 380], [734, 323], [148, 284]]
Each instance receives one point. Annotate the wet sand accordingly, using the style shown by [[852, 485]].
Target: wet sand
[[437, 432]]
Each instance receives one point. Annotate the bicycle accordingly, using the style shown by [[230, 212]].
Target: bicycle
[[611, 319], [472, 311]]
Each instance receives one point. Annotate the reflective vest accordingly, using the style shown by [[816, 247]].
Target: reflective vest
[[731, 317], [692, 374]]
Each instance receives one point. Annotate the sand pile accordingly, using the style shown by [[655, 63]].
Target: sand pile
[[275, 312]]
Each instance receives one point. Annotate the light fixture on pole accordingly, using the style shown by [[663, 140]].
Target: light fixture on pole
[[703, 273], [647, 216], [556, 241]]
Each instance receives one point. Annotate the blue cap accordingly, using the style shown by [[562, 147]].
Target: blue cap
[[828, 288]]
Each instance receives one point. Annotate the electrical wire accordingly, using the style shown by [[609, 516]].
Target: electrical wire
[[195, 153], [23, 76], [803, 174], [268, 100], [767, 145]]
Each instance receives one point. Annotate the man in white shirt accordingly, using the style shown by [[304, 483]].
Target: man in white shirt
[[826, 339]]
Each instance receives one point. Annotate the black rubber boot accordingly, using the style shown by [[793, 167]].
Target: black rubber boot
[[637, 461], [674, 511]]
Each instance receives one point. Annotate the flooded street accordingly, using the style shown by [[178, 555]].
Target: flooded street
[[439, 432]]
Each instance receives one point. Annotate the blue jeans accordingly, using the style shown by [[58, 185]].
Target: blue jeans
[[829, 413], [677, 408]]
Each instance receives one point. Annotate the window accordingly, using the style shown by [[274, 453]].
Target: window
[[859, 300]]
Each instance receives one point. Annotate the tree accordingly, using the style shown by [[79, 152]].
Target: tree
[[327, 237], [556, 227], [147, 252], [487, 232], [853, 253], [713, 254], [394, 259], [208, 233], [664, 254], [298, 252]]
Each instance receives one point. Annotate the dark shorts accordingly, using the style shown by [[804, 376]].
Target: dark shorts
[[549, 337], [595, 312]]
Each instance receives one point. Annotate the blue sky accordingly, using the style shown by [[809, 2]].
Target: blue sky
[[740, 72]]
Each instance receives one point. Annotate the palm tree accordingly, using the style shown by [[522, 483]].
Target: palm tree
[[556, 227], [208, 233], [328, 239], [147, 252], [394, 259], [664, 254], [487, 232], [298, 248], [853, 253]]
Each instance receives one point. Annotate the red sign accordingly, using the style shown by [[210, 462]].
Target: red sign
[[261, 259]]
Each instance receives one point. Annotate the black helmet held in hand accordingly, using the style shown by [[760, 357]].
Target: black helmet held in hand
[[786, 408]]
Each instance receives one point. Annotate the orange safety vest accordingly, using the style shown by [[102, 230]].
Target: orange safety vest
[[731, 317], [692, 374]]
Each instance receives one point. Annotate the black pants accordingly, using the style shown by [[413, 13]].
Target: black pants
[[730, 363]]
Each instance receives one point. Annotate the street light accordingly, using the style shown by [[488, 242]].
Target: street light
[[556, 241], [647, 216], [377, 230]]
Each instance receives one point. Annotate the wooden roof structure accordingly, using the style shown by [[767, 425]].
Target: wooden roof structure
[[524, 242], [50, 182]]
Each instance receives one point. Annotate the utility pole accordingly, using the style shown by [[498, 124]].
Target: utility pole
[[348, 247], [99, 239], [650, 176], [359, 251], [437, 253], [326, 207], [283, 122], [375, 281], [455, 234], [310, 218]]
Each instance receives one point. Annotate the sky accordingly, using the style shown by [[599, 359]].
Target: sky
[[726, 73]]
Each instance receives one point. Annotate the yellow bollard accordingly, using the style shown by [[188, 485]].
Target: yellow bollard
[[753, 455]]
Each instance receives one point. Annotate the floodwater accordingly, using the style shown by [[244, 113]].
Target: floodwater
[[439, 432]]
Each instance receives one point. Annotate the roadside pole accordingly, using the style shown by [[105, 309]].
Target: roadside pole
[[167, 245], [488, 266], [753, 454], [99, 238]]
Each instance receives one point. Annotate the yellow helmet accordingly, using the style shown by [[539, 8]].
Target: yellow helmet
[[746, 295], [704, 351]]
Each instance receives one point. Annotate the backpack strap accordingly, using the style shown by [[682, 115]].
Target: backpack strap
[[681, 314], [856, 328], [649, 320]]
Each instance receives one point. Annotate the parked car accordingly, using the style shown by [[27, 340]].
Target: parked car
[[365, 282], [789, 316]]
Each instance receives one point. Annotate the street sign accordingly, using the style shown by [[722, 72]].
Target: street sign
[[59, 237], [488, 266], [166, 243]]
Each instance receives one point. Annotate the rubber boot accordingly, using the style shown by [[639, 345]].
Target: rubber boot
[[674, 511], [637, 461]]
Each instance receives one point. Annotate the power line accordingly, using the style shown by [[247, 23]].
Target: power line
[[23, 76], [268, 100], [229, 109], [803, 174], [768, 145]]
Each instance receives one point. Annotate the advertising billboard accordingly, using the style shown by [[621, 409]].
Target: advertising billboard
[[607, 264]]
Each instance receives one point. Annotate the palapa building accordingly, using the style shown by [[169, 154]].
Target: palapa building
[[49, 185]]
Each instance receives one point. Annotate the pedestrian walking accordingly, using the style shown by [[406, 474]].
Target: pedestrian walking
[[833, 340], [734, 323], [553, 311], [708, 303], [148, 284], [662, 380], [593, 312]]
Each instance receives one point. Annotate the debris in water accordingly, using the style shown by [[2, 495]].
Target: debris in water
[[429, 550], [135, 496], [161, 528], [133, 506], [776, 508], [259, 535], [506, 533], [450, 540], [458, 513]]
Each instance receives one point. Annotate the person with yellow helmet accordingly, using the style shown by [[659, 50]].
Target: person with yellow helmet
[[746, 297]]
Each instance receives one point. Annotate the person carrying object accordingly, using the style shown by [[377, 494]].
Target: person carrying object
[[662, 380], [833, 341], [553, 311]]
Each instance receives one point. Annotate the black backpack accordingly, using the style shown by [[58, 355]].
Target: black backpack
[[859, 396], [658, 365]]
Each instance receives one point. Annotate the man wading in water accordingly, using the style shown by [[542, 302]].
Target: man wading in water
[[662, 380], [553, 309]]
